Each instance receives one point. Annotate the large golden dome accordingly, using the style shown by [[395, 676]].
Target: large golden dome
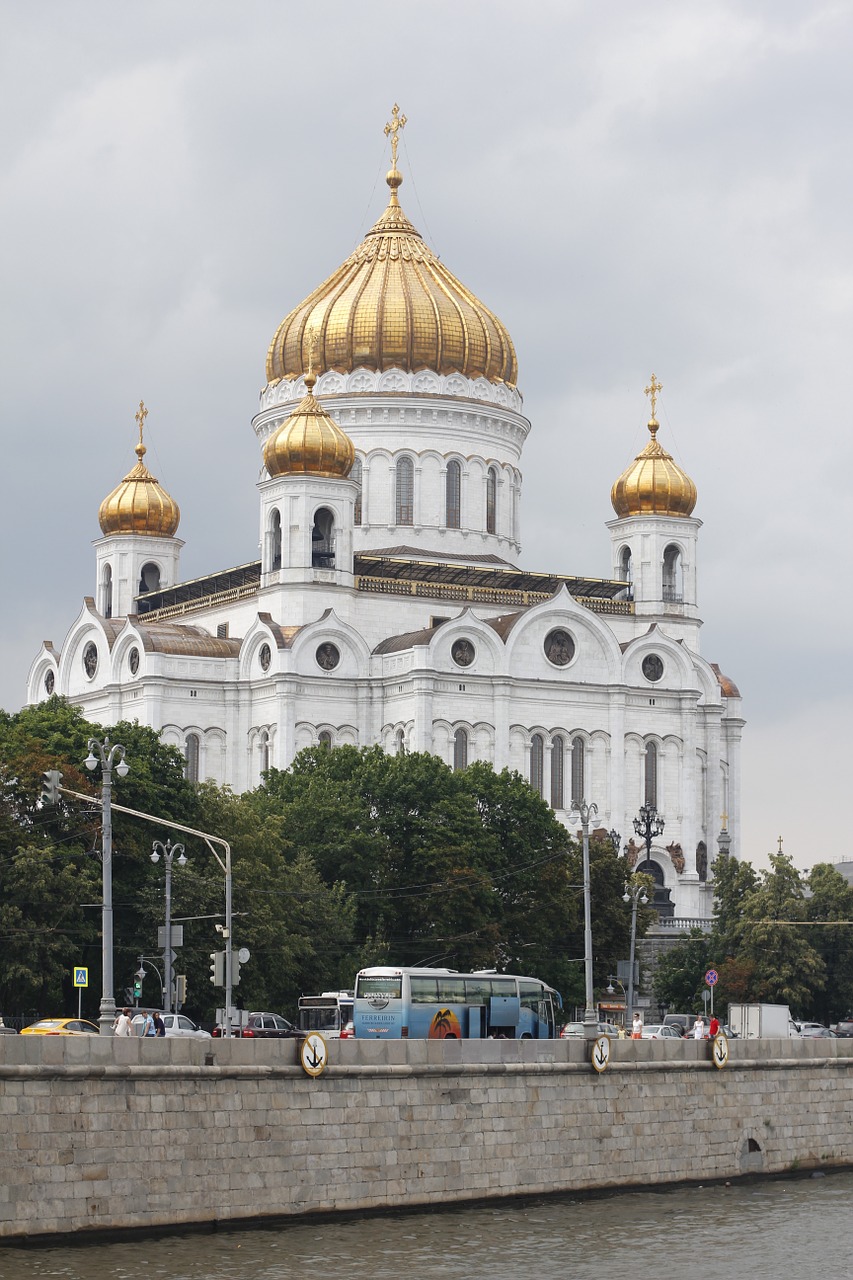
[[309, 442], [393, 304], [653, 484], [139, 504]]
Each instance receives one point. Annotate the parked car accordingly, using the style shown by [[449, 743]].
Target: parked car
[[661, 1031], [264, 1026], [348, 1031], [815, 1031], [61, 1027], [576, 1031], [844, 1029], [176, 1024]]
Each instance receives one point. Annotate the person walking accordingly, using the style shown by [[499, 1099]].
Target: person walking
[[714, 1028], [148, 1028], [123, 1026], [637, 1027], [159, 1025], [699, 1029]]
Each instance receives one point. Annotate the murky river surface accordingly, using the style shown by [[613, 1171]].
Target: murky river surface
[[791, 1229]]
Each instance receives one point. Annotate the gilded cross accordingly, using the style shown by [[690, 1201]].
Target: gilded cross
[[311, 335], [392, 128], [652, 390], [141, 415], [780, 844]]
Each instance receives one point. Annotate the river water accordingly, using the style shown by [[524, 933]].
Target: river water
[[763, 1230]]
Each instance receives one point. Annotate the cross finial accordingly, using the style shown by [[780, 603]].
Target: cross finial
[[141, 415], [311, 338], [780, 844], [392, 128], [652, 390]]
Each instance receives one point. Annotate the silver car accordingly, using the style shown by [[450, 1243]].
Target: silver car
[[176, 1024]]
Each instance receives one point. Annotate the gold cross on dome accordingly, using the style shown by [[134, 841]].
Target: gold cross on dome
[[141, 415], [780, 844], [311, 335], [392, 128], [652, 390]]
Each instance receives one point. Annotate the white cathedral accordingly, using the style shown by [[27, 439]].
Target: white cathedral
[[387, 606]]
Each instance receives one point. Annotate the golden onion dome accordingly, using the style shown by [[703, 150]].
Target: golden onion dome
[[394, 305], [309, 442], [653, 484], [140, 504]]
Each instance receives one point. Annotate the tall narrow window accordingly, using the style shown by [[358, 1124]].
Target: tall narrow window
[[191, 753], [325, 739], [323, 540], [673, 584], [405, 491], [651, 787], [460, 750], [578, 770], [357, 474], [275, 540], [453, 504], [491, 500], [557, 753], [626, 567], [107, 592], [401, 743], [264, 753], [537, 762]]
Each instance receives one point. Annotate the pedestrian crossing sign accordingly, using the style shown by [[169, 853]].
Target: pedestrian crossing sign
[[81, 976]]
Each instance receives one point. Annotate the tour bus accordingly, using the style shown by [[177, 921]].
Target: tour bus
[[440, 1004], [329, 1013]]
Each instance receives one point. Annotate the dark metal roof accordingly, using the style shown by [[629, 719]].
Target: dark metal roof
[[373, 565], [243, 576]]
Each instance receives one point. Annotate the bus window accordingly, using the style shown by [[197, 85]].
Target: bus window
[[450, 989], [387, 988], [424, 990]]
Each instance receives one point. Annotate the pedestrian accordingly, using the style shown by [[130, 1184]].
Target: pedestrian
[[123, 1026], [148, 1028], [699, 1029], [637, 1027], [714, 1028], [159, 1025]]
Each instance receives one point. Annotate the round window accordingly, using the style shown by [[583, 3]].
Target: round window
[[133, 660], [90, 659], [265, 657], [49, 683], [328, 656], [463, 653], [652, 667], [559, 647]]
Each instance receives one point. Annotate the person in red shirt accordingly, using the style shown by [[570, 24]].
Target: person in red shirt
[[714, 1028]]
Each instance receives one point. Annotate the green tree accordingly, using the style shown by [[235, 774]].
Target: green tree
[[786, 969], [832, 899], [680, 974]]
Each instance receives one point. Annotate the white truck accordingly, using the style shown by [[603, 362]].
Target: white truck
[[762, 1021]]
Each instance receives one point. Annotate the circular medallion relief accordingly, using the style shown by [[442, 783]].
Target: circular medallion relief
[[328, 656], [49, 683], [559, 647], [90, 659], [133, 660], [463, 653], [652, 667], [265, 657]]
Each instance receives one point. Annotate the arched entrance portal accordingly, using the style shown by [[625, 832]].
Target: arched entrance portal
[[661, 899]]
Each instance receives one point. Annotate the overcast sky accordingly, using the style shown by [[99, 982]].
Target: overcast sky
[[664, 187]]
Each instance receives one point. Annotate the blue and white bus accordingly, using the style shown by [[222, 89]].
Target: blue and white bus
[[440, 1004]]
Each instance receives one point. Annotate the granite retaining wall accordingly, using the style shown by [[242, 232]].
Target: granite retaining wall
[[105, 1135]]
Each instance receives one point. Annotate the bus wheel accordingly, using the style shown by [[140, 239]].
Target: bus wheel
[[527, 1036], [451, 1036]]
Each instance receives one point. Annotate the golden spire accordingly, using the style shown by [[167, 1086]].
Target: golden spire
[[139, 504], [652, 391], [392, 128], [140, 415]]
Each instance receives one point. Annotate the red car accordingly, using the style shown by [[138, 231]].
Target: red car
[[264, 1026]]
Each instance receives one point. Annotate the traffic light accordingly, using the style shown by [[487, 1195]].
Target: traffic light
[[137, 987], [181, 988], [217, 968], [51, 781], [235, 971]]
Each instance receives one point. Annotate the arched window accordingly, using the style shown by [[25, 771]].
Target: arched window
[[356, 474], [401, 742], [651, 779], [107, 592], [557, 762], [537, 762], [626, 567], [323, 540], [453, 496], [460, 750], [673, 583], [491, 500], [264, 746], [325, 739], [275, 540], [149, 578], [578, 770], [405, 491], [702, 860], [191, 754]]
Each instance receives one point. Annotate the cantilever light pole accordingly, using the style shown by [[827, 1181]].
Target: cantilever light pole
[[107, 755], [634, 893], [168, 851], [586, 811]]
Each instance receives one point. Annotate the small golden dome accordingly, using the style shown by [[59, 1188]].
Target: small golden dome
[[139, 504], [394, 305], [309, 442], [653, 484]]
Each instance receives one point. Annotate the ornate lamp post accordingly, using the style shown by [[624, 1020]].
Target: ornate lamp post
[[648, 826], [585, 812], [107, 755], [634, 893], [168, 851]]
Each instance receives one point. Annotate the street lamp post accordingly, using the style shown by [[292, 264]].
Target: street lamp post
[[107, 756], [168, 851], [633, 893], [585, 812], [648, 826]]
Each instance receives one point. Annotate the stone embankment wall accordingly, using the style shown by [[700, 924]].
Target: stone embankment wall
[[110, 1134]]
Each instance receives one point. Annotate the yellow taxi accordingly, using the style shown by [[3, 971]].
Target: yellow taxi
[[61, 1027]]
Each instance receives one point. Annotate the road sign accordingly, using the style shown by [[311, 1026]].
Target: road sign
[[711, 977], [81, 976], [601, 1053], [177, 938], [313, 1054], [720, 1051]]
